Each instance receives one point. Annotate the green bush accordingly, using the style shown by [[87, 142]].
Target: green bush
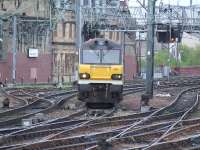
[[189, 56], [162, 57]]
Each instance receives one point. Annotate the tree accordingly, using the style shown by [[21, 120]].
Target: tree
[[189, 56], [162, 57]]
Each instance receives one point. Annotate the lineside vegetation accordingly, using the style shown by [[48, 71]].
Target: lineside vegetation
[[189, 57]]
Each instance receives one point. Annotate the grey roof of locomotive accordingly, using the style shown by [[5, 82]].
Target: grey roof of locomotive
[[100, 43]]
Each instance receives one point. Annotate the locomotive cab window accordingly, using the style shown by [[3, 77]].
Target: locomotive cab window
[[111, 57], [101, 57], [91, 57]]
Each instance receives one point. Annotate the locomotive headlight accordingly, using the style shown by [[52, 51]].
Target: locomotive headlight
[[84, 76], [116, 76]]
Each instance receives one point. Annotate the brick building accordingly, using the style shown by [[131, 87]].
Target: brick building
[[57, 56], [64, 49], [32, 32]]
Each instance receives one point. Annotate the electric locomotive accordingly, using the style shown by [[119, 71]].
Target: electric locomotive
[[100, 71]]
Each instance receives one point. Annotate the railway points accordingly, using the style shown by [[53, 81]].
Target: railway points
[[120, 127], [99, 75]]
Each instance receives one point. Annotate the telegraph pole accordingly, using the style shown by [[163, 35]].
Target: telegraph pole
[[78, 25], [150, 48], [78, 30], [14, 48]]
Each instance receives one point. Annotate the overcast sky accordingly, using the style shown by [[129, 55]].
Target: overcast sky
[[172, 2]]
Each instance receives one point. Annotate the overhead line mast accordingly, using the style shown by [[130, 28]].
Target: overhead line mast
[[150, 48], [136, 19]]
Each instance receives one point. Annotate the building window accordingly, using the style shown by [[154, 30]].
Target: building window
[[70, 30], [17, 3], [117, 36], [2, 4], [66, 64], [55, 64], [110, 35], [63, 28], [93, 3], [85, 2], [1, 51], [38, 5], [112, 3], [101, 3], [55, 32], [62, 3]]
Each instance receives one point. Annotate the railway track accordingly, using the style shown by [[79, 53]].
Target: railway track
[[14, 101], [34, 105], [173, 81], [86, 135], [56, 99], [53, 125], [101, 129], [188, 106]]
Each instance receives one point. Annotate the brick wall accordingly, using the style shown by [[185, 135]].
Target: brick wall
[[27, 68], [192, 71], [130, 67], [5, 69]]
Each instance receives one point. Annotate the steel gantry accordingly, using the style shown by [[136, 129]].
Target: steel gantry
[[106, 15], [135, 18], [120, 17], [115, 15]]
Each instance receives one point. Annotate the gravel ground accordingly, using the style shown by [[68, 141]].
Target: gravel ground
[[68, 108], [1, 100], [162, 97], [129, 105]]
